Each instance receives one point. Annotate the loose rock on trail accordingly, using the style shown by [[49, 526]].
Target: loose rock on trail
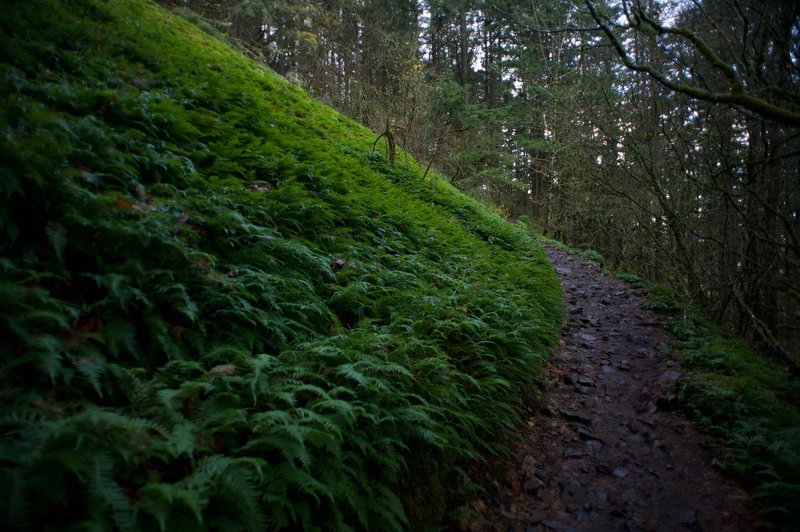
[[606, 450]]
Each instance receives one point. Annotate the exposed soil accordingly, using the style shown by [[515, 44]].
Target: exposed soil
[[606, 450]]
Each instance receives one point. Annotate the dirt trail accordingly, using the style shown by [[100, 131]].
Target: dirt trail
[[606, 451]]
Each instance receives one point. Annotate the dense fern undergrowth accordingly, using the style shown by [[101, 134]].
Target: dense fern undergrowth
[[220, 309]]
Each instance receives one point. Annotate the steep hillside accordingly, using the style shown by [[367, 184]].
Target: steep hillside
[[220, 308]]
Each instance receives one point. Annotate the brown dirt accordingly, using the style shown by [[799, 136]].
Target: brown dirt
[[606, 450]]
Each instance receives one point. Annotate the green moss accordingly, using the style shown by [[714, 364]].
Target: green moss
[[219, 308]]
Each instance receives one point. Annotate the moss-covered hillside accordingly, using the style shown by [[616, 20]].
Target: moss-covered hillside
[[220, 309]]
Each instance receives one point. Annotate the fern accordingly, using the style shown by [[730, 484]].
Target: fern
[[161, 500], [279, 328], [105, 493], [58, 239], [15, 504], [47, 352], [120, 336]]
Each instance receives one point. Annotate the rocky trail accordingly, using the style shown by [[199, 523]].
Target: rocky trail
[[607, 450]]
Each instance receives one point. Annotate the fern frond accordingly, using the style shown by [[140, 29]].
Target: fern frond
[[159, 500], [104, 492], [57, 235], [47, 351], [15, 505], [120, 336], [300, 479]]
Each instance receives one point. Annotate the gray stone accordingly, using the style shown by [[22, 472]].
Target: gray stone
[[621, 472], [532, 485], [687, 516], [558, 526]]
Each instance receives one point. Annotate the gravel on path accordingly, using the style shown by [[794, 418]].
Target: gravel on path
[[607, 448]]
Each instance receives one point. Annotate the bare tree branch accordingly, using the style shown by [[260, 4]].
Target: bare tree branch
[[736, 96]]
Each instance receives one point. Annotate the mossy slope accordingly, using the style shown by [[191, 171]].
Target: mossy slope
[[219, 309]]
